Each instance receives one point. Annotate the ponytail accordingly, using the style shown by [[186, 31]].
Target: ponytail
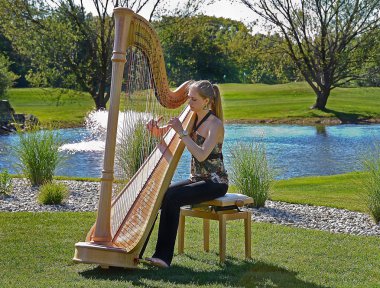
[[216, 105]]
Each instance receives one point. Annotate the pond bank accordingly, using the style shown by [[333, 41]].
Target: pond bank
[[304, 121], [286, 121]]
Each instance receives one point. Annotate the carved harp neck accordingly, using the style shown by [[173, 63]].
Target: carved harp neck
[[133, 30]]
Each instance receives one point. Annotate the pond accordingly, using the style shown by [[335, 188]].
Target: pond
[[293, 150]]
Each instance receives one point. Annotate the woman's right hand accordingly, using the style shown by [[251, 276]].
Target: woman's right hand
[[153, 127]]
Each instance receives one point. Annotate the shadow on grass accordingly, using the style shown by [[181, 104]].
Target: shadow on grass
[[230, 274], [347, 118]]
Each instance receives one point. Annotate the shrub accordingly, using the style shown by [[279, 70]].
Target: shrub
[[53, 193], [133, 148], [5, 183], [251, 172], [39, 156], [371, 182]]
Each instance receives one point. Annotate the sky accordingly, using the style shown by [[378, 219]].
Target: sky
[[223, 8]]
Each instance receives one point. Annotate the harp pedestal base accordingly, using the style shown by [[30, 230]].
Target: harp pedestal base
[[105, 256]]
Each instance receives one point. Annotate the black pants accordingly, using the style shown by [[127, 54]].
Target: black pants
[[177, 195]]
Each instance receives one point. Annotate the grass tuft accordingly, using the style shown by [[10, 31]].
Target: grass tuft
[[39, 156], [6, 186], [251, 172], [53, 193], [371, 182], [133, 148]]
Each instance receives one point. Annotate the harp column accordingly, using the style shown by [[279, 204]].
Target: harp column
[[102, 233]]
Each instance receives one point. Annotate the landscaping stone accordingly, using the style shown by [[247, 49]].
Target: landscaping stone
[[84, 196], [10, 121]]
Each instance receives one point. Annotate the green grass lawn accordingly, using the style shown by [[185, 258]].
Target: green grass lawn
[[37, 248], [291, 102], [242, 102], [339, 191], [342, 191], [52, 106]]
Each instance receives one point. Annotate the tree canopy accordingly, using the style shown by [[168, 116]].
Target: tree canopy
[[329, 41], [67, 46], [221, 50]]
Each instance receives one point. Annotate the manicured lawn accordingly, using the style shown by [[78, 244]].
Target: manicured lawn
[[284, 103], [290, 102], [342, 191], [339, 191], [51, 106], [37, 248]]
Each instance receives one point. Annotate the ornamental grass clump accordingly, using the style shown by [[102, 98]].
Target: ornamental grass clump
[[133, 148], [39, 156], [5, 183], [251, 172], [371, 183], [53, 193]]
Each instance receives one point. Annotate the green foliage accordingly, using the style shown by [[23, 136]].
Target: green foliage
[[197, 47], [134, 146], [39, 156], [5, 183], [251, 172], [6, 76], [66, 47], [371, 183], [53, 193], [222, 50]]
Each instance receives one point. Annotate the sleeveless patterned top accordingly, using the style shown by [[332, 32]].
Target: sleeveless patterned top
[[210, 169]]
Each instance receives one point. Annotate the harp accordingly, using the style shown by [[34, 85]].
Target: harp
[[123, 224]]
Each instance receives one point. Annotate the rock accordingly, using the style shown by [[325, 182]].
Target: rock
[[6, 108], [10, 121]]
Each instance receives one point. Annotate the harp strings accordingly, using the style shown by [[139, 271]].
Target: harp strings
[[138, 105]]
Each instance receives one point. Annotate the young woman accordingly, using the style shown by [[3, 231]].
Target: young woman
[[208, 179]]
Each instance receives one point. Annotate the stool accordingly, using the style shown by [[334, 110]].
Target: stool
[[221, 209]]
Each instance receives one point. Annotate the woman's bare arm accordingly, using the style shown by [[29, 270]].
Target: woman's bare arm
[[215, 135]]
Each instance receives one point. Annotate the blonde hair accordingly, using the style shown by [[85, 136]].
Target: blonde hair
[[211, 91]]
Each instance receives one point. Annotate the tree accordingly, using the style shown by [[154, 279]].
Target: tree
[[205, 47], [272, 65], [328, 40], [6, 77], [68, 47], [18, 65]]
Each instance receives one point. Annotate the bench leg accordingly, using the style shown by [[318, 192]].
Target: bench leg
[[206, 235], [222, 238], [181, 233], [247, 226]]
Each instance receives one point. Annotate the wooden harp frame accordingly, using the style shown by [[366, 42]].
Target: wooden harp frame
[[102, 245]]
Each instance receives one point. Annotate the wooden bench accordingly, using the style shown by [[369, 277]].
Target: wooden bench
[[221, 209]]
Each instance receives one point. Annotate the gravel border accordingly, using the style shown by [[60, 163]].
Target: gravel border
[[84, 197]]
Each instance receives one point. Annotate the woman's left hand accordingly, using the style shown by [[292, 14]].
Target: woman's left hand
[[176, 124]]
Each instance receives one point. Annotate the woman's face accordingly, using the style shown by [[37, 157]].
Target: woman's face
[[196, 102]]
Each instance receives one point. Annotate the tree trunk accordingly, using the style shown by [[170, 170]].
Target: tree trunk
[[321, 101], [100, 98]]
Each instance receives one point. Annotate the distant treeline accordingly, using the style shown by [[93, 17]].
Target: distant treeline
[[198, 47]]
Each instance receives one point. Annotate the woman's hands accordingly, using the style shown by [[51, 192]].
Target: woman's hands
[[175, 124], [157, 131], [154, 129]]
